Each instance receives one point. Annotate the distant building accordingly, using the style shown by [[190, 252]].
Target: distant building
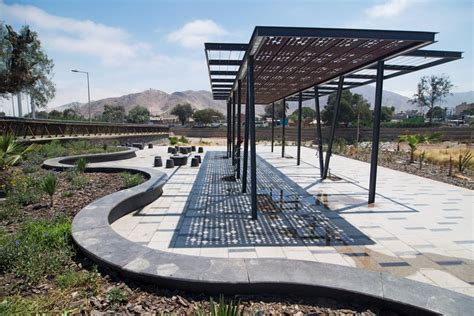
[[164, 119]]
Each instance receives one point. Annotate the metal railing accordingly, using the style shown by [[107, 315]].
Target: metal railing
[[34, 128]]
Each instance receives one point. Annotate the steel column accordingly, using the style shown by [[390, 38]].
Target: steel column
[[333, 127], [228, 129], [283, 119], [239, 123], [253, 149], [246, 144], [376, 131], [233, 128], [318, 129], [300, 117], [273, 123]]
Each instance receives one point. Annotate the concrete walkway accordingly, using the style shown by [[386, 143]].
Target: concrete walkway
[[419, 228]]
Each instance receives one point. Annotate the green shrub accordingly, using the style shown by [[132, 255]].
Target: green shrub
[[173, 140], [49, 185], [53, 149], [76, 179], [38, 249], [32, 162], [183, 140], [116, 296], [80, 165], [131, 180], [9, 211], [24, 189]]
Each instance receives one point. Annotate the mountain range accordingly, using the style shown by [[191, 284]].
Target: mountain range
[[161, 103]]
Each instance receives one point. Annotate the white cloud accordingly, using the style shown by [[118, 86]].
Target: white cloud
[[111, 44], [195, 33], [388, 9]]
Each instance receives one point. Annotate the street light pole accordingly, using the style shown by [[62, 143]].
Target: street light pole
[[88, 91]]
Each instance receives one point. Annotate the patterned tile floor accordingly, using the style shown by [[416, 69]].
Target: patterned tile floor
[[418, 228]]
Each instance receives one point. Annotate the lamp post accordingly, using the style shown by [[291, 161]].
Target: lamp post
[[88, 91]]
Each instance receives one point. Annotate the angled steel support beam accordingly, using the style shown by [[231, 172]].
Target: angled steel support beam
[[239, 125], [333, 127], [273, 123], [318, 130], [300, 118], [253, 149], [283, 119], [376, 132]]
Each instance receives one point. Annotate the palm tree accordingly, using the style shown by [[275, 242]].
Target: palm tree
[[412, 141]]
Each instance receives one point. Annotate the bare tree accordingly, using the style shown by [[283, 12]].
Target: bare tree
[[431, 91]]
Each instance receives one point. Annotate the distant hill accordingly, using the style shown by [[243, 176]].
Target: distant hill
[[158, 102], [161, 103]]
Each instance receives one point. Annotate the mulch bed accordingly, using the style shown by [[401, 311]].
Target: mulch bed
[[399, 161]]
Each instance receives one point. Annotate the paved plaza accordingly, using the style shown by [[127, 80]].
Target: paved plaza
[[418, 228]]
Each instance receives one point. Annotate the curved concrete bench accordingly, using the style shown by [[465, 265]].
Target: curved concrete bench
[[61, 163], [93, 234]]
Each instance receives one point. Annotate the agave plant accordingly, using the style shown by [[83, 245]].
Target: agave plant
[[11, 151], [464, 160], [49, 185]]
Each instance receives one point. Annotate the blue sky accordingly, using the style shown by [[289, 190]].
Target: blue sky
[[131, 46]]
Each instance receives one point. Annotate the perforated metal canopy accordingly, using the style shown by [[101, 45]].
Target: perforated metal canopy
[[289, 60]]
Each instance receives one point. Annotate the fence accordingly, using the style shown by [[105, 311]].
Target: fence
[[33, 128]]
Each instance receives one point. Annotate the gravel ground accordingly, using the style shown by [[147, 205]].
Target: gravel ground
[[398, 160]]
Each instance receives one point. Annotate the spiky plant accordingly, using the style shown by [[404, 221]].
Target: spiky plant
[[81, 165], [49, 185], [464, 160], [11, 151]]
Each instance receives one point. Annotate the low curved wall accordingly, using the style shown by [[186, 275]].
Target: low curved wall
[[93, 234]]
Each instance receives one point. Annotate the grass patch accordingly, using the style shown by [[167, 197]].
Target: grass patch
[[38, 249], [440, 156], [131, 179]]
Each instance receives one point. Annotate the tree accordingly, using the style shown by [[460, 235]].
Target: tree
[[278, 110], [183, 112], [306, 113], [24, 66], [386, 113], [71, 114], [436, 112], [351, 104], [139, 114], [113, 114], [207, 116], [55, 115], [431, 91]]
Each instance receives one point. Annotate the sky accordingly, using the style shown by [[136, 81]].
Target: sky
[[132, 46]]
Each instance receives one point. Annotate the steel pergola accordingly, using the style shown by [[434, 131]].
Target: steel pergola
[[281, 64]]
